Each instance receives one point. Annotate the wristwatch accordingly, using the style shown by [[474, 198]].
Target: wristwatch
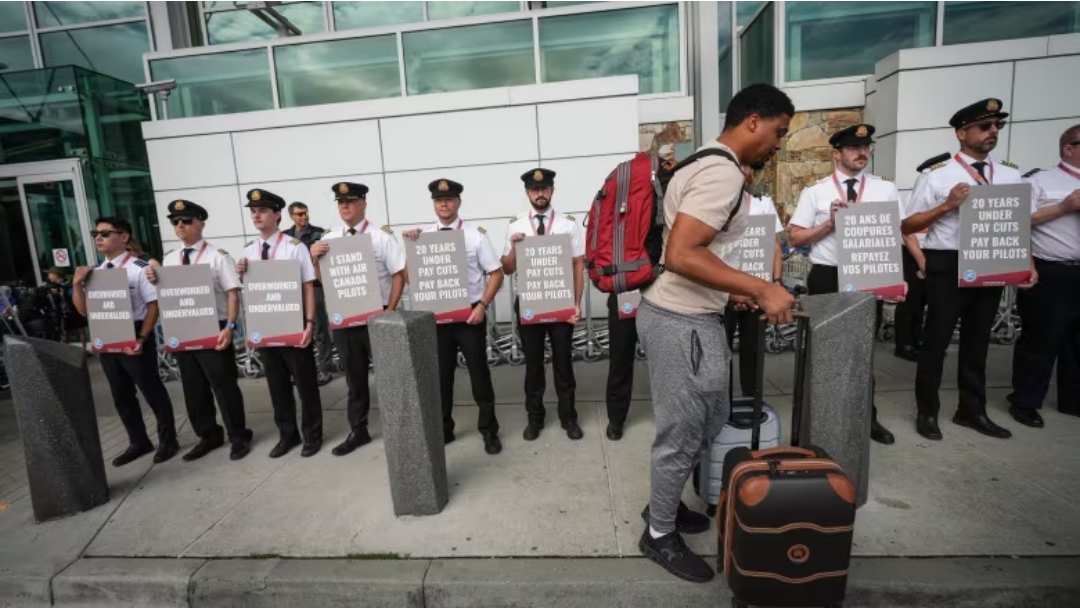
[[230, 326], [486, 304], [309, 321], [140, 338]]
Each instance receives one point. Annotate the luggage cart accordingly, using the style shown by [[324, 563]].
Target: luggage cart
[[1006, 327]]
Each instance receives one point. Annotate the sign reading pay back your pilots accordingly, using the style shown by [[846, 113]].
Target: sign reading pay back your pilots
[[995, 236], [439, 275], [545, 277]]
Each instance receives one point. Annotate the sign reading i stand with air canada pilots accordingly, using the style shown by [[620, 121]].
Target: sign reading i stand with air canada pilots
[[108, 311], [756, 248], [350, 281], [273, 304], [439, 275], [189, 319], [545, 271], [995, 236], [870, 243]]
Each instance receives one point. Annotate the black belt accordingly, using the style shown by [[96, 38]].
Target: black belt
[[1065, 263]]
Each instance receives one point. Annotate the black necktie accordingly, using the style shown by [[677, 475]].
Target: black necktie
[[187, 256], [266, 251], [109, 266], [352, 231], [979, 167], [444, 229], [540, 225], [851, 194]]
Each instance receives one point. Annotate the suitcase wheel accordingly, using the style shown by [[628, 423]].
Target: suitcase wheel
[[711, 511]]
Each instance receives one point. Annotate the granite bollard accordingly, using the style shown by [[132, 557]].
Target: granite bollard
[[54, 406], [838, 392], [407, 381]]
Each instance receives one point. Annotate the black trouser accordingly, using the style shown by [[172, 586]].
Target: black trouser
[[354, 350], [1050, 312], [284, 367], [562, 362], [472, 340], [125, 373], [909, 313], [322, 337], [206, 375], [825, 279], [749, 324], [947, 303], [622, 352]]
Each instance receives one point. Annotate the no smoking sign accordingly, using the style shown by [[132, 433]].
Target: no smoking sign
[[60, 257]]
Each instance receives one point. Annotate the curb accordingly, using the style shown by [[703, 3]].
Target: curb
[[517, 582]]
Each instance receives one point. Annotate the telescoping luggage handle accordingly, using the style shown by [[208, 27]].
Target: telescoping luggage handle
[[802, 338]]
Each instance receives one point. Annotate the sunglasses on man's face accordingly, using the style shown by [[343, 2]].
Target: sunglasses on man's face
[[985, 127], [104, 233], [185, 221]]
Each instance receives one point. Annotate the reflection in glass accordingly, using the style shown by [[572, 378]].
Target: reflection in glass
[[641, 41], [982, 21], [12, 18], [745, 10], [115, 50], [756, 50], [15, 53], [338, 71], [727, 55], [452, 10], [469, 57], [40, 115], [217, 84], [51, 14], [243, 26], [830, 39], [16, 262], [356, 15]]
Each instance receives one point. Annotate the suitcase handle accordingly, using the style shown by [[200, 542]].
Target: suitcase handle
[[759, 454]]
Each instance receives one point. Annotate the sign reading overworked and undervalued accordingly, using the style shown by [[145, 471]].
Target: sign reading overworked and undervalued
[[350, 281], [995, 236], [545, 268], [439, 275], [756, 249], [273, 304], [108, 311], [189, 318], [870, 249]]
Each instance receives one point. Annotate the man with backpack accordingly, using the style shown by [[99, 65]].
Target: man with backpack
[[680, 320]]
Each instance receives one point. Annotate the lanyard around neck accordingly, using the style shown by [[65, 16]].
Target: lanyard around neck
[[1068, 170], [127, 257], [273, 253], [198, 257], [974, 173], [550, 221], [843, 193], [460, 222], [363, 229]]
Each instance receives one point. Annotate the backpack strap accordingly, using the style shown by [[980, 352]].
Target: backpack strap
[[622, 193], [737, 204]]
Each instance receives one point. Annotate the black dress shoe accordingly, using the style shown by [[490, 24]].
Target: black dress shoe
[[131, 454], [927, 427], [492, 445], [686, 520], [204, 447], [907, 353], [532, 431], [448, 437], [981, 424], [239, 450], [670, 552], [282, 448], [881, 434], [353, 441], [1027, 417], [614, 431], [324, 378], [165, 452], [311, 449], [573, 431]]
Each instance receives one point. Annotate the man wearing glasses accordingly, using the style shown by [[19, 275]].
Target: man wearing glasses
[[935, 205], [308, 234], [209, 374], [815, 216]]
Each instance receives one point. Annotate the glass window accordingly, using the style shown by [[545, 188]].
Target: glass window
[[243, 25], [981, 21], [469, 57], [50, 14], [15, 54], [642, 41], [115, 50], [217, 84], [12, 17], [338, 71], [562, 4], [756, 50], [452, 10], [727, 55], [830, 39], [355, 15], [745, 11]]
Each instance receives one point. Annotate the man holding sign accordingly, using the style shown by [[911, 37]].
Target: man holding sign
[[469, 336], [136, 366], [936, 205], [285, 366], [344, 271], [547, 279], [814, 222]]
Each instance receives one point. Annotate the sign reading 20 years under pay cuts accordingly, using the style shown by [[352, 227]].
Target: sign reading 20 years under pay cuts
[[350, 281], [273, 304], [995, 236], [439, 275], [545, 273]]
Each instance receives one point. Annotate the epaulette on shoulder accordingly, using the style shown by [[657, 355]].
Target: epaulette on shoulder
[[570, 217], [387, 229], [168, 253], [294, 241], [936, 166], [222, 251], [325, 233], [249, 243], [1010, 165], [1032, 172], [481, 229], [140, 263]]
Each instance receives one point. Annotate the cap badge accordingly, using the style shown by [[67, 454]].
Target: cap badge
[[255, 195], [343, 188], [993, 106], [861, 132], [443, 186], [178, 205], [538, 176]]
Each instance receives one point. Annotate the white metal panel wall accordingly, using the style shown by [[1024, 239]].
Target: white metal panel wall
[[190, 162], [308, 151]]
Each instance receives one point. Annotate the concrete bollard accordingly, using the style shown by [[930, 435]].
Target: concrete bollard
[[838, 393], [405, 354], [54, 406]]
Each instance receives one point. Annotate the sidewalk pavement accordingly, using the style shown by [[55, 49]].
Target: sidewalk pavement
[[966, 520]]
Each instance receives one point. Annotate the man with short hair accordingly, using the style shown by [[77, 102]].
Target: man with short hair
[[308, 234], [680, 321], [136, 367], [1051, 311]]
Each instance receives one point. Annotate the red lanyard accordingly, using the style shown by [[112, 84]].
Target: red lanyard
[[198, 257], [273, 253], [547, 230], [974, 174], [1067, 170], [843, 195], [363, 229], [127, 258], [460, 222]]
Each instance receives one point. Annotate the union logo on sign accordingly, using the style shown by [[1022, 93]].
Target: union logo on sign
[[256, 338], [337, 318], [627, 307], [848, 288], [528, 315], [970, 275], [98, 343], [173, 342]]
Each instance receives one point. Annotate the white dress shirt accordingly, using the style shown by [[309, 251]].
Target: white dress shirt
[[479, 252], [283, 247], [555, 223], [1059, 239], [764, 206], [389, 255], [140, 289], [221, 264]]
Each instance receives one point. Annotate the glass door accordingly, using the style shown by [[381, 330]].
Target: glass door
[[16, 262], [56, 221]]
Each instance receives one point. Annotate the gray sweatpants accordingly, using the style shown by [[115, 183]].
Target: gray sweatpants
[[688, 359]]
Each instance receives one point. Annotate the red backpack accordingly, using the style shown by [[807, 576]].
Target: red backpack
[[624, 232]]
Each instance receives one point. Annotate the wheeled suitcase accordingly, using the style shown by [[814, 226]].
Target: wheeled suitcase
[[786, 518]]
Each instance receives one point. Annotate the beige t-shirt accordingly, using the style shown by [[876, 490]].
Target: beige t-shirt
[[706, 190]]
